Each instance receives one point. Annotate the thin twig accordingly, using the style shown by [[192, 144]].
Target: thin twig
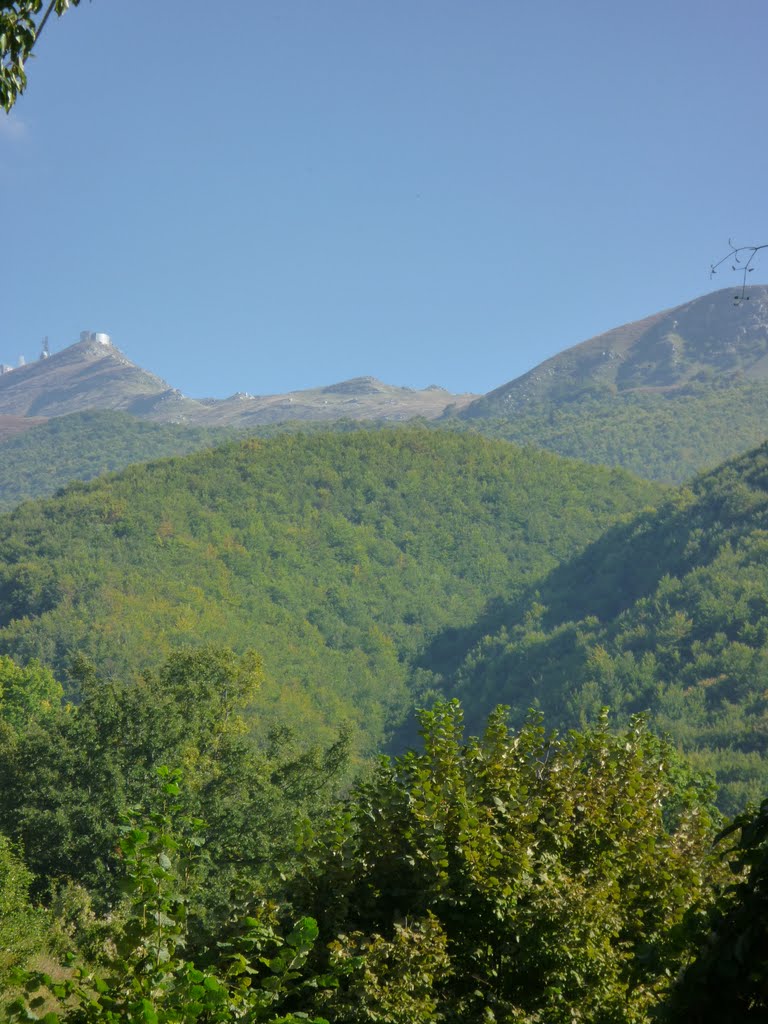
[[746, 268]]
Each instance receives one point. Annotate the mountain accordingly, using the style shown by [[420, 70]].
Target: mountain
[[692, 343], [337, 556], [89, 375], [94, 374], [665, 615], [665, 397]]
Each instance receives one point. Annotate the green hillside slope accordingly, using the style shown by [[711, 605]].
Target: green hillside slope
[[84, 445], [336, 556], [708, 338], [661, 435], [665, 397], [667, 614]]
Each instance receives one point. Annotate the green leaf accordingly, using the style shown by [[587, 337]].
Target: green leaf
[[148, 1012]]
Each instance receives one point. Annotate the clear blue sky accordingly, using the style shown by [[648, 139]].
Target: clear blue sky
[[263, 196]]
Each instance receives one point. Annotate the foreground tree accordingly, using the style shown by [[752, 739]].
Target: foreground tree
[[68, 776], [21, 23], [146, 974], [728, 981], [21, 925], [517, 878], [555, 872]]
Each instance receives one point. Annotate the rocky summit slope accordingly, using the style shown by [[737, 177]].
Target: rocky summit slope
[[94, 374], [707, 339], [88, 375]]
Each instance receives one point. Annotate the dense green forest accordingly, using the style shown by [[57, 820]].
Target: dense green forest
[[81, 446], [85, 445], [667, 435], [191, 831], [336, 556], [518, 877], [659, 435], [666, 614]]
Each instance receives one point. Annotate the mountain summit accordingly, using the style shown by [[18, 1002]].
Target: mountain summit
[[90, 374], [94, 374], [705, 339]]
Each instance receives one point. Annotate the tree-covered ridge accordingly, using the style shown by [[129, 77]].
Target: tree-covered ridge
[[336, 556], [84, 445], [38, 462], [666, 614], [667, 435]]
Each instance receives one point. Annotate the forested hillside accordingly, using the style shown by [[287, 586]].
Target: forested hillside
[[666, 435], [336, 556], [652, 434], [84, 445], [667, 614], [665, 397]]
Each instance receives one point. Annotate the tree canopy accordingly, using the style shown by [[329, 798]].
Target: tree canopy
[[520, 877], [558, 870], [68, 773], [21, 23], [666, 614], [335, 555]]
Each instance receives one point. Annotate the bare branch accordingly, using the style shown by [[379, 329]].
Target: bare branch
[[742, 257], [43, 20]]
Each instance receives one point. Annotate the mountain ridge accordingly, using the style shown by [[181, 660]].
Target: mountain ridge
[[664, 351], [95, 374], [666, 396]]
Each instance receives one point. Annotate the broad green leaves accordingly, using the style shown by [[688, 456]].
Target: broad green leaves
[[146, 975], [521, 877], [21, 22], [560, 869], [68, 775], [728, 981]]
